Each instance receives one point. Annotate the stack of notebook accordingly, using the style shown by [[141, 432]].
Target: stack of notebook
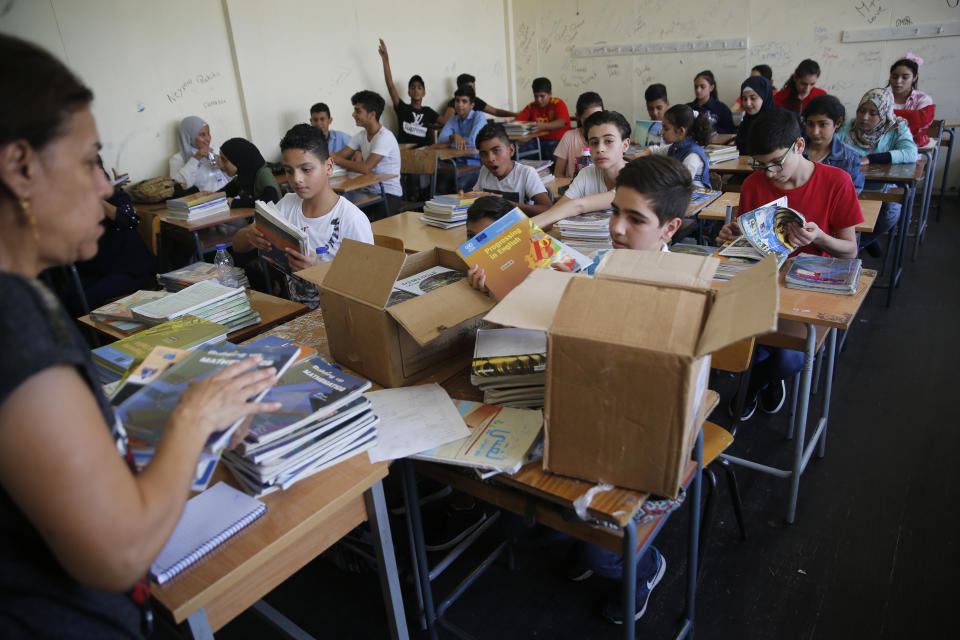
[[449, 211], [207, 299], [518, 128], [510, 367], [587, 232], [322, 421], [721, 153], [829, 275], [542, 167], [197, 205], [119, 315], [198, 271]]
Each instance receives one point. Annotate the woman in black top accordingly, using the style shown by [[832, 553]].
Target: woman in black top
[[78, 528]]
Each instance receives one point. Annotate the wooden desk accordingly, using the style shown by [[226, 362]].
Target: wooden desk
[[554, 186], [272, 312], [416, 235], [446, 152], [717, 210], [344, 184], [201, 232], [724, 138], [519, 140], [740, 166]]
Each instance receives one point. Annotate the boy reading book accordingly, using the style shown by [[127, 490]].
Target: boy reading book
[[414, 118], [515, 181], [320, 118], [314, 207], [828, 201], [372, 150], [549, 113]]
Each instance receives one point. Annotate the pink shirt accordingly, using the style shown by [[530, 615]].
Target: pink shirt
[[570, 147]]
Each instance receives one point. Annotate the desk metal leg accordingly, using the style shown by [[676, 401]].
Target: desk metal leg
[[417, 548], [386, 205], [629, 580], [905, 215], [946, 171], [539, 149], [199, 626], [386, 561], [831, 358], [696, 490], [197, 245]]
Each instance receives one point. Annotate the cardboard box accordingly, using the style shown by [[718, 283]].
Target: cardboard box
[[405, 342], [628, 358]]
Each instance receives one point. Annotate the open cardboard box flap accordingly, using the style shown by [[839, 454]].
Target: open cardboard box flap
[[675, 270], [532, 303], [316, 273], [745, 306], [426, 317], [364, 272]]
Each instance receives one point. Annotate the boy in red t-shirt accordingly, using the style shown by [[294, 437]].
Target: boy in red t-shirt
[[549, 113], [828, 201]]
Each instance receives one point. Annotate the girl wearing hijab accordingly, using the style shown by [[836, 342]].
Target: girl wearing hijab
[[756, 97], [253, 179], [879, 137], [196, 164]]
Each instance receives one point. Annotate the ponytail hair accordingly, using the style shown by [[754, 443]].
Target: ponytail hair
[[708, 76], [806, 67], [697, 127]]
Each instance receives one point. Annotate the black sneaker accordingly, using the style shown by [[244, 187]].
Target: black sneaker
[[577, 568], [613, 610], [749, 407], [773, 397], [453, 525]]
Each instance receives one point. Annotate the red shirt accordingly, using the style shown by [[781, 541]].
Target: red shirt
[[919, 120], [827, 198], [556, 109], [782, 98]]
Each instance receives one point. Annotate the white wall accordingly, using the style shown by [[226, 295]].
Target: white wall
[[780, 34]]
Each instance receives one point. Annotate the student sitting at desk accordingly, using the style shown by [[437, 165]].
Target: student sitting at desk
[[706, 101], [196, 163], [467, 80], [413, 118], [657, 103], [910, 103], [550, 115], [515, 181], [80, 527], [826, 198], [573, 143], [460, 132], [822, 117], [879, 136], [762, 70], [314, 206], [320, 118], [756, 97], [254, 180], [685, 136], [373, 150], [800, 88]]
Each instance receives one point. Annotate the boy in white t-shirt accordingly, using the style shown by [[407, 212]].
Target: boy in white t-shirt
[[516, 182], [314, 207], [372, 150]]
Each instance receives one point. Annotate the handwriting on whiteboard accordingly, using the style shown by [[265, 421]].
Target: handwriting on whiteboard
[[869, 9], [189, 83]]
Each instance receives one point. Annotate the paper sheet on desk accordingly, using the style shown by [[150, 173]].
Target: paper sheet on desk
[[414, 419]]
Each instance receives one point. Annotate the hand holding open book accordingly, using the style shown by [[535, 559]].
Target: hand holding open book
[[773, 229]]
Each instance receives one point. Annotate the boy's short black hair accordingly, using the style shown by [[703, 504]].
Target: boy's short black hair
[[307, 138], [488, 207], [588, 99], [370, 101], [773, 130], [490, 132], [320, 107], [607, 117], [465, 78], [663, 181], [465, 90], [826, 105], [416, 78], [542, 85], [655, 92]]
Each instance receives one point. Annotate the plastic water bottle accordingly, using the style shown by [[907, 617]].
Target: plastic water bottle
[[583, 161], [322, 255], [224, 263]]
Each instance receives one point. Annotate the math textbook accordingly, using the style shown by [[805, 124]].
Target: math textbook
[[513, 246]]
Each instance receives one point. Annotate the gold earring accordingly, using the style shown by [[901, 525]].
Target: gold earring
[[32, 221]]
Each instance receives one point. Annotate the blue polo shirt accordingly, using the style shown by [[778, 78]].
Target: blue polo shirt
[[467, 128]]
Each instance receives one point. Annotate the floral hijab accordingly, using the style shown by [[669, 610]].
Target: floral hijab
[[882, 99]]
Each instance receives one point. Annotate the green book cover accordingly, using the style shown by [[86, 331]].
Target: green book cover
[[185, 332]]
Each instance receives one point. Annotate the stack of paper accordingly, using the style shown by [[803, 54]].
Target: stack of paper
[[323, 420], [118, 314], [207, 299], [198, 271], [518, 128], [587, 232], [186, 332], [542, 167], [510, 366], [197, 205], [449, 210], [721, 153]]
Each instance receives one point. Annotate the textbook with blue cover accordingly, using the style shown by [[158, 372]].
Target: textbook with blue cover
[[830, 275], [765, 233]]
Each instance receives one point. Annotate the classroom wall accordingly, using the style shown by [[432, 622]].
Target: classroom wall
[[252, 68], [545, 32]]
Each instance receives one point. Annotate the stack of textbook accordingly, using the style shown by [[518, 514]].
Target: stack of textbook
[[449, 211], [721, 153], [830, 275], [119, 315], [518, 128], [587, 232], [197, 205], [207, 299], [323, 421], [198, 271], [510, 367], [542, 167]]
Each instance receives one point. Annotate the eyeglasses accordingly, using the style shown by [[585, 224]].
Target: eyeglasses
[[774, 167]]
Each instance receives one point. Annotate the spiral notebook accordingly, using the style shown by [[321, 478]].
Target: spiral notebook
[[209, 519]]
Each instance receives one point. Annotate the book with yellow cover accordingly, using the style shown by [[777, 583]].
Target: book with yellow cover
[[512, 247]]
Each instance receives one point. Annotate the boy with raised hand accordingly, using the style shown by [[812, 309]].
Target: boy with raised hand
[[460, 132], [827, 199], [320, 118], [518, 183], [372, 150], [467, 80], [414, 118], [550, 115]]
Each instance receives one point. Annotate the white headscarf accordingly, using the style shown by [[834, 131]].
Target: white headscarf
[[189, 128]]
